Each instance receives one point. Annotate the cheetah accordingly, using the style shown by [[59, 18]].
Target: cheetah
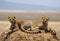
[[42, 24], [14, 26]]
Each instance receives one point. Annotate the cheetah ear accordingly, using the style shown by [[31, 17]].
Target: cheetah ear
[[8, 17], [47, 18], [15, 17], [42, 17]]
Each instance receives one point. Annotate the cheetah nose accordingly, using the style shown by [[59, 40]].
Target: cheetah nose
[[11, 21]]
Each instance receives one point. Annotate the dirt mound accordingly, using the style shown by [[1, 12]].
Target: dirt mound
[[22, 36]]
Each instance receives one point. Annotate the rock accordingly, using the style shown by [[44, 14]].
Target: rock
[[22, 36]]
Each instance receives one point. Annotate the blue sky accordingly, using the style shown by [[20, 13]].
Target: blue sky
[[29, 4]]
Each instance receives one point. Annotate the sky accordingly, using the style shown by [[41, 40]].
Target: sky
[[29, 4], [38, 2]]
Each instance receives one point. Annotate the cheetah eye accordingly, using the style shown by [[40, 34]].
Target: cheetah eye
[[13, 19], [9, 19]]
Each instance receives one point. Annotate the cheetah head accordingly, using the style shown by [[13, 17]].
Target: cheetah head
[[45, 19], [12, 19]]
